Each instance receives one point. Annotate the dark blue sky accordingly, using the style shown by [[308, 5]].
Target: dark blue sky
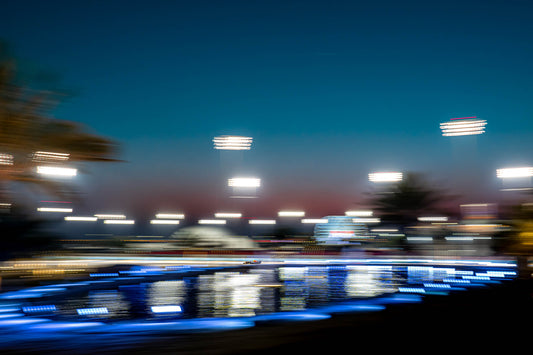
[[330, 91]]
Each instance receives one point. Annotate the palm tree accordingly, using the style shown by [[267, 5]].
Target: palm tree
[[29, 136], [407, 200]]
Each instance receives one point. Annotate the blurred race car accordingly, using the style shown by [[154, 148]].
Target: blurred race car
[[252, 262]]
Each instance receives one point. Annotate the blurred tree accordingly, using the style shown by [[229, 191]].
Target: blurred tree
[[26, 127], [407, 200]]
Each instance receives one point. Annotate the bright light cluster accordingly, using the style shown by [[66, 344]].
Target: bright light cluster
[[81, 219], [212, 221], [110, 216], [56, 171], [6, 159], [119, 221], [228, 215], [385, 177], [170, 215], [50, 156], [463, 127], [164, 221], [53, 209], [359, 213], [232, 142], [291, 213], [514, 172], [244, 182]]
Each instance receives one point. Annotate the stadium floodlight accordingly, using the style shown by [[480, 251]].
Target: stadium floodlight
[[291, 213], [514, 172], [244, 182], [228, 215], [433, 219], [164, 221], [262, 221], [360, 213], [463, 126], [81, 219], [385, 177], [53, 209], [6, 159], [119, 221], [56, 171], [170, 215], [50, 156], [314, 220], [232, 143], [212, 221], [110, 216]]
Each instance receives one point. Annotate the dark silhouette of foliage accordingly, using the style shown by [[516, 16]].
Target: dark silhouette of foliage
[[407, 200], [27, 126]]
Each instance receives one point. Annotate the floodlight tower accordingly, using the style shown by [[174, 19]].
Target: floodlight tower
[[231, 148], [464, 132]]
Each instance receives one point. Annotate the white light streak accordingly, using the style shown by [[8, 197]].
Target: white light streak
[[81, 219], [433, 219], [262, 221], [244, 182], [228, 215], [291, 213], [314, 220], [366, 220], [56, 171], [232, 142], [53, 209], [212, 221], [6, 159], [360, 213], [385, 177], [119, 221], [463, 127], [514, 172], [166, 309], [170, 215], [50, 156], [164, 221], [110, 216]]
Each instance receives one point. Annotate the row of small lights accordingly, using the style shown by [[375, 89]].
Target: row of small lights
[[360, 216]]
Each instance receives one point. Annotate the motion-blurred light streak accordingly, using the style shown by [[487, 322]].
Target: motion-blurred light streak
[[314, 220], [110, 216], [232, 143], [433, 219], [262, 221], [291, 213], [81, 219], [119, 221], [359, 213], [514, 172], [212, 221], [56, 171], [385, 177], [164, 221], [50, 156], [244, 182], [466, 126], [54, 209], [6, 159], [228, 215], [170, 215]]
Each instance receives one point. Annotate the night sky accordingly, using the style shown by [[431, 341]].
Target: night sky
[[329, 90]]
